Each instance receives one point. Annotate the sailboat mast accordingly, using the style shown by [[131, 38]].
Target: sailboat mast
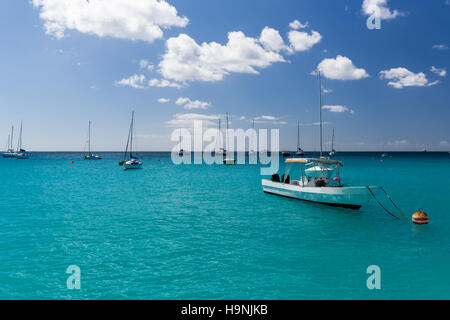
[[320, 111], [298, 135], [89, 138], [19, 143], [131, 134], [332, 141], [227, 133], [12, 137]]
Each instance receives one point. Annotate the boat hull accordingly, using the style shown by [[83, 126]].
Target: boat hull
[[346, 197]]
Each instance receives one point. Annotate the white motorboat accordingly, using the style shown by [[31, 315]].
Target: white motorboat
[[20, 153], [132, 162], [90, 155], [322, 184], [319, 180], [9, 153]]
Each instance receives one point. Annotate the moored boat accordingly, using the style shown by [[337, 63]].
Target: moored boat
[[90, 155], [9, 153], [132, 162]]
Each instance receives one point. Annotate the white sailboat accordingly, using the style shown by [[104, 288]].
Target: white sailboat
[[181, 152], [20, 152], [9, 153], [229, 159], [132, 162], [220, 151], [252, 152], [299, 150], [332, 152], [90, 155], [319, 181]]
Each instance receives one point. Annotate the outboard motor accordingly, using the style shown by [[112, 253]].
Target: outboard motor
[[275, 178]]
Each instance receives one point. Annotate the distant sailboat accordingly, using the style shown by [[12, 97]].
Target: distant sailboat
[[21, 153], [220, 151], [299, 150], [228, 160], [333, 152], [131, 162], [9, 153], [253, 128], [90, 155], [181, 152]]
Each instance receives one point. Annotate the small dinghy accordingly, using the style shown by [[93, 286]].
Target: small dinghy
[[132, 162]]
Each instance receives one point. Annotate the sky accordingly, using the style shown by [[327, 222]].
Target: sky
[[65, 62]]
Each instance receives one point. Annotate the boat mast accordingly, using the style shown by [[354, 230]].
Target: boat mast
[[226, 134], [298, 135], [89, 138], [19, 142], [320, 110], [332, 141], [12, 136], [131, 135]]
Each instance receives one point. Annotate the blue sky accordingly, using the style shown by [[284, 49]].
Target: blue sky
[[385, 89]]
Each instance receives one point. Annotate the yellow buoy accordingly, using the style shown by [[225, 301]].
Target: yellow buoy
[[420, 217]]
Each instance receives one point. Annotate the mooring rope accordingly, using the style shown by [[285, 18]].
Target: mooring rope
[[381, 205], [393, 203]]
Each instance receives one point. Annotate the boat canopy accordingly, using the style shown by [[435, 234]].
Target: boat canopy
[[318, 161]]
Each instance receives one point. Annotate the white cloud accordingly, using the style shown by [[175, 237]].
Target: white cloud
[[242, 118], [298, 25], [135, 81], [336, 109], [163, 100], [163, 83], [303, 41], [442, 72], [271, 40], [185, 60], [341, 68], [370, 7], [189, 104], [440, 47], [269, 119], [402, 77], [124, 19], [399, 143], [145, 64], [186, 120]]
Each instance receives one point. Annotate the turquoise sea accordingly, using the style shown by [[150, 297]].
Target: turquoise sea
[[209, 232]]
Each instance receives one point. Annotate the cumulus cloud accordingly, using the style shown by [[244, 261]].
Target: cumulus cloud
[[303, 41], [185, 60], [123, 19], [271, 40], [442, 72], [402, 77], [298, 25], [186, 120], [135, 81], [189, 104], [369, 7], [336, 108], [163, 83], [145, 64], [341, 68], [163, 100], [269, 119]]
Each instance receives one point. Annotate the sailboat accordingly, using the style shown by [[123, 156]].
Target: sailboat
[[90, 155], [319, 181], [9, 153], [333, 152], [253, 128], [299, 150], [131, 162], [181, 152], [221, 151], [228, 160], [21, 153]]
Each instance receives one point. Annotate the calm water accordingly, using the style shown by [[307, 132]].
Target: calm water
[[209, 232]]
